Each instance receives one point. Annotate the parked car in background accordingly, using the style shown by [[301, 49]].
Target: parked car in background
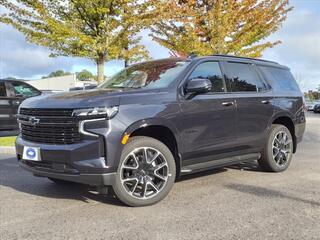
[[85, 87], [316, 108], [12, 93], [310, 105], [158, 120]]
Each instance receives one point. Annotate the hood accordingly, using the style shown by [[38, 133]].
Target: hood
[[78, 99]]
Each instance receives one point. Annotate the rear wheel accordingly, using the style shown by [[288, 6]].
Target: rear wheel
[[277, 153], [146, 172]]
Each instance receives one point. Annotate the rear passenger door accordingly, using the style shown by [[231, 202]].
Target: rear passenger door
[[253, 103]]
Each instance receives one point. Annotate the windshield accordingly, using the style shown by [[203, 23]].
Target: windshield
[[149, 75]]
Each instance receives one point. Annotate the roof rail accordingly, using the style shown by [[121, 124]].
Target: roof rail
[[233, 56]]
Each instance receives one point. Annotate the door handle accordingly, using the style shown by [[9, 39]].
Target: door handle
[[265, 101], [227, 104]]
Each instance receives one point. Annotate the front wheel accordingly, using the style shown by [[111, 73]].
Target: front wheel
[[277, 153], [146, 172]]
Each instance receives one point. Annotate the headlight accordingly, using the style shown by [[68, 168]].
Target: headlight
[[99, 112]]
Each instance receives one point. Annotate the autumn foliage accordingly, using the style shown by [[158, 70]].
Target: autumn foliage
[[205, 27], [103, 30]]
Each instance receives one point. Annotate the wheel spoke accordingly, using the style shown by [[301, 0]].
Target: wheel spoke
[[277, 157], [277, 152], [159, 176], [277, 141], [135, 160], [135, 186], [161, 165], [153, 186], [154, 157], [145, 154], [130, 179], [144, 189]]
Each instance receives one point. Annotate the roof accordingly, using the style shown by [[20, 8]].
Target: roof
[[257, 61], [247, 58]]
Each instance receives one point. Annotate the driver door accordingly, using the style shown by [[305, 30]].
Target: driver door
[[207, 125]]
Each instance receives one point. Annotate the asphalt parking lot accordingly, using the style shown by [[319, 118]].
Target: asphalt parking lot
[[239, 202]]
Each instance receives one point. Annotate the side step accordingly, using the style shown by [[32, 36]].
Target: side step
[[219, 163]]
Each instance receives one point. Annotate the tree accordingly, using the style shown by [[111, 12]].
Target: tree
[[94, 29], [206, 27], [85, 75], [58, 73]]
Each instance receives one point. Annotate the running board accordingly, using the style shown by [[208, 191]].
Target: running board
[[219, 163]]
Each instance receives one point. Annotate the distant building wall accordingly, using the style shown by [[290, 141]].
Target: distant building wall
[[63, 83]]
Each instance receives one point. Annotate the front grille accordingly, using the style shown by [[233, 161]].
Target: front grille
[[46, 112], [52, 126]]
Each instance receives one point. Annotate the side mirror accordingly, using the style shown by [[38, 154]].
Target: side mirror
[[198, 86]]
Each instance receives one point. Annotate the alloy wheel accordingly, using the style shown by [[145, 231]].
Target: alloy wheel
[[281, 148], [144, 172]]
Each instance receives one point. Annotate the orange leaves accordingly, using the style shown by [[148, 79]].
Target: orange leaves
[[219, 26]]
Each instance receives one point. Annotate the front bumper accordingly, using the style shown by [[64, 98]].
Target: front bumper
[[106, 179], [81, 162]]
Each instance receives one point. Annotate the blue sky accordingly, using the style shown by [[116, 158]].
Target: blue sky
[[300, 50]]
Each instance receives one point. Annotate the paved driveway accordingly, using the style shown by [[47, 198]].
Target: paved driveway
[[238, 202]]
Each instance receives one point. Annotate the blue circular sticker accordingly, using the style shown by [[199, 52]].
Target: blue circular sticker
[[30, 153]]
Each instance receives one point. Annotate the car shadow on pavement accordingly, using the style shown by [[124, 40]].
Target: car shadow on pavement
[[268, 193], [201, 174], [247, 166], [12, 176]]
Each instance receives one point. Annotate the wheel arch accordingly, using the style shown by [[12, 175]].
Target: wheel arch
[[160, 130], [286, 120]]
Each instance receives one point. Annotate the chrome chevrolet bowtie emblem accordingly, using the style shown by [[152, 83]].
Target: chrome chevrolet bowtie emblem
[[34, 121]]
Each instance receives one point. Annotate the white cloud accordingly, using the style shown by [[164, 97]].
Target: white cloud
[[300, 48]]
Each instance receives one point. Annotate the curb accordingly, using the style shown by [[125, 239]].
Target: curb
[[7, 150]]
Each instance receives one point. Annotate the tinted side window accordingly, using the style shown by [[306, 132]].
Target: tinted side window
[[281, 79], [24, 90], [211, 71], [243, 78], [3, 92]]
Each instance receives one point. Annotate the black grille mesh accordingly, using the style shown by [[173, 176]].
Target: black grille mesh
[[55, 126]]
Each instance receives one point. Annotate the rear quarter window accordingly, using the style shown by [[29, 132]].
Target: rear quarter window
[[280, 79]]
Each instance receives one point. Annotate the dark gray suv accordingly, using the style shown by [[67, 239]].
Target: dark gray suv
[[158, 120]]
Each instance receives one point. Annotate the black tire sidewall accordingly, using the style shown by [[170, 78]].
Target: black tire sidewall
[[137, 142]]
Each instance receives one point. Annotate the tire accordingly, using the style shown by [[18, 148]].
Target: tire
[[60, 181], [144, 181], [278, 150]]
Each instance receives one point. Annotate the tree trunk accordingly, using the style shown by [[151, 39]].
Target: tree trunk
[[126, 60], [100, 70]]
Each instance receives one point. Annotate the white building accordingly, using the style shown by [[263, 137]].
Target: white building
[[63, 83]]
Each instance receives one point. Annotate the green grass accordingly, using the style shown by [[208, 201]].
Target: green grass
[[7, 141]]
